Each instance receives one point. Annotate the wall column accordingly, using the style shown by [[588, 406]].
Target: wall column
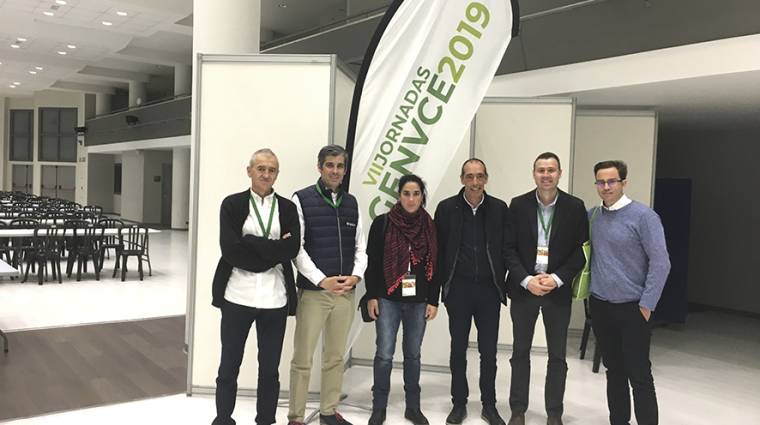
[[180, 188], [102, 103], [183, 75], [137, 90]]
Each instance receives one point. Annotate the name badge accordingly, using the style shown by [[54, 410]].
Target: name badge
[[409, 286], [542, 255]]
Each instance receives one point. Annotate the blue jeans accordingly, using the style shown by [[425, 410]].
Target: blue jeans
[[393, 313]]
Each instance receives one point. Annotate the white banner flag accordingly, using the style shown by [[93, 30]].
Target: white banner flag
[[425, 74]]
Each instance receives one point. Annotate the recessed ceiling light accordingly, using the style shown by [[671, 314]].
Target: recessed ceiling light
[[61, 52], [12, 86], [120, 13], [107, 23], [283, 5], [21, 39], [38, 68], [15, 46], [17, 83], [33, 72], [61, 2], [71, 46], [48, 13]]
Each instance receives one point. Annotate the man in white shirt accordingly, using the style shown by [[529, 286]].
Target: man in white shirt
[[259, 233], [330, 263]]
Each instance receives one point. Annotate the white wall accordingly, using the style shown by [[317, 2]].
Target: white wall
[[180, 188], [724, 209], [4, 137], [100, 181]]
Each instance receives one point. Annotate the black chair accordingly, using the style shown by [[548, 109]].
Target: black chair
[[132, 240], [585, 337], [5, 244], [47, 248], [108, 241], [20, 245], [95, 210], [82, 244]]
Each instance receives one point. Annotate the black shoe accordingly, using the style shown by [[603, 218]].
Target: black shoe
[[457, 415], [416, 416], [377, 417], [335, 419], [517, 419], [554, 420], [491, 415]]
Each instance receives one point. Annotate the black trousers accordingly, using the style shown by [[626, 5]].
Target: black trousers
[[624, 336], [556, 316], [467, 301], [270, 332]]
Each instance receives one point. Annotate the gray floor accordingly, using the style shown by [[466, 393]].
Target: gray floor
[[70, 368]]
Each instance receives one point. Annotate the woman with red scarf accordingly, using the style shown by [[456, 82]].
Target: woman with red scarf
[[402, 252]]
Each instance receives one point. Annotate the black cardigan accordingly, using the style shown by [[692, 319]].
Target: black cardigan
[[374, 277], [253, 253]]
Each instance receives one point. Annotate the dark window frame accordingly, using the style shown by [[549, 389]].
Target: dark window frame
[[117, 178], [13, 133], [60, 135]]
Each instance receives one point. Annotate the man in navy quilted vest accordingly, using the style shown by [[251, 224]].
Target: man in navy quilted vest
[[330, 263]]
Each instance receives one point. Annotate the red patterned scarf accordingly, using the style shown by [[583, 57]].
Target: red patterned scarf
[[408, 235]]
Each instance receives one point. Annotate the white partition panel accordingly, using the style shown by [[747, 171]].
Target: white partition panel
[[509, 134], [612, 134], [244, 103]]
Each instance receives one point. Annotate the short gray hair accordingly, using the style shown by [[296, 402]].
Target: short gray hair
[[331, 150], [263, 151]]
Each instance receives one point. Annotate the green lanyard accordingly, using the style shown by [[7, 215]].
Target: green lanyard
[[328, 200], [271, 216], [546, 228]]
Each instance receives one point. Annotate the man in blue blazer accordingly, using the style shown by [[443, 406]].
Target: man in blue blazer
[[544, 254]]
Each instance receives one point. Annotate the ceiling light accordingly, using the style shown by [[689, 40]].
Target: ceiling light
[[38, 68], [12, 86], [61, 2], [107, 23], [48, 13], [15, 46], [120, 13], [283, 5], [17, 83], [33, 72], [71, 46], [61, 52], [21, 39]]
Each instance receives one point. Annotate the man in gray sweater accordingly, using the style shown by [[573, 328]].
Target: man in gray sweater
[[629, 266]]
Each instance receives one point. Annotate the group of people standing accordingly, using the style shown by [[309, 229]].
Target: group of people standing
[[474, 254]]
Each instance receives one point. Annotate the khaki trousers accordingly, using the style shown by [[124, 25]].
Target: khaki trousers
[[318, 311]]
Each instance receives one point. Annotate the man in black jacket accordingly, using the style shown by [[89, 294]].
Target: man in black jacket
[[545, 253], [259, 233], [472, 228]]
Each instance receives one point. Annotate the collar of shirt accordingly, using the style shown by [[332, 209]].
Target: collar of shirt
[[619, 204], [541, 204], [259, 199], [474, 208]]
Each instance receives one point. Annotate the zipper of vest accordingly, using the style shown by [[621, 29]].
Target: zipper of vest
[[340, 241]]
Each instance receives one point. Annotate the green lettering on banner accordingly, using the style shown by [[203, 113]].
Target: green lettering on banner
[[437, 90], [426, 119], [389, 190], [411, 158], [421, 138]]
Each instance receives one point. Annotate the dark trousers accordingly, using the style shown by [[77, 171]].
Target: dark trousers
[[270, 331], [556, 316], [464, 302], [624, 336], [393, 314]]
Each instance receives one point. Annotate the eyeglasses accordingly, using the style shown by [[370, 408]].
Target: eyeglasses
[[610, 182]]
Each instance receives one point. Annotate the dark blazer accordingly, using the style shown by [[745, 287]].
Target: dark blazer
[[449, 220], [253, 253], [568, 232]]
